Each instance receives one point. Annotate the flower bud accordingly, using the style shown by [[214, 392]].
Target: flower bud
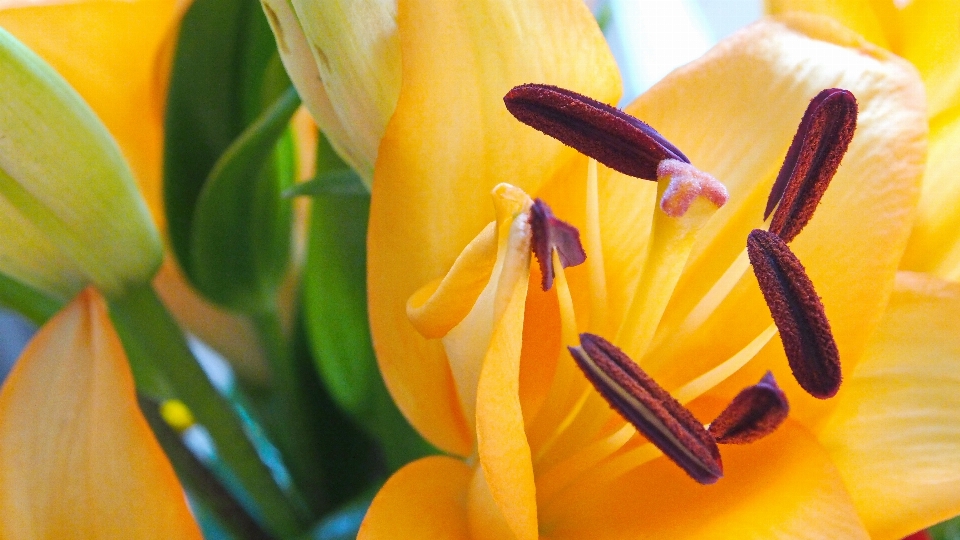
[[70, 210], [344, 58]]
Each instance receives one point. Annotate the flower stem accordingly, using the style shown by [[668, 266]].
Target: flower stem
[[292, 419], [151, 337]]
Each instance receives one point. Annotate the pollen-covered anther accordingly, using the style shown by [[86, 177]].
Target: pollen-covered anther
[[605, 133], [686, 184], [814, 155], [650, 408], [754, 413], [798, 313], [551, 233]]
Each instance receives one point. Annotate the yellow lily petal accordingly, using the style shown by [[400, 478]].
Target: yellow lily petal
[[934, 245], [424, 499], [501, 441], [449, 142], [797, 495], [852, 246], [922, 31], [112, 53], [896, 432], [77, 458], [437, 307], [863, 17]]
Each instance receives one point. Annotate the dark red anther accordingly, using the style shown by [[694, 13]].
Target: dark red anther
[[650, 408], [550, 233], [798, 314], [596, 129], [814, 155], [756, 412]]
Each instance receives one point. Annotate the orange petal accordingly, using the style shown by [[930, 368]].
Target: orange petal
[[783, 486], [450, 141], [896, 432], [77, 458], [501, 440], [111, 52], [424, 499]]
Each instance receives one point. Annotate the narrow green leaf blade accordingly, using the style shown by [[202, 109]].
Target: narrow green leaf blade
[[226, 71], [29, 302], [240, 239], [335, 311]]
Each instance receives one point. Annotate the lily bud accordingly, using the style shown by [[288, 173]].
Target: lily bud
[[70, 210], [344, 58]]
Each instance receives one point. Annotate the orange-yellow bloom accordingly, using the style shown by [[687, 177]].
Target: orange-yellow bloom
[[474, 352], [925, 33], [77, 458]]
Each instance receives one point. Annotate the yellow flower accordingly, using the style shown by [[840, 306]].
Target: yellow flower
[[475, 353], [925, 33], [77, 458]]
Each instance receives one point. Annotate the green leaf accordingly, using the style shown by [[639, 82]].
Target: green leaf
[[335, 310], [948, 530], [240, 240], [29, 302], [226, 71], [338, 182]]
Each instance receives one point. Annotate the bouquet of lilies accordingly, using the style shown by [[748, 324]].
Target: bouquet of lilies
[[381, 269]]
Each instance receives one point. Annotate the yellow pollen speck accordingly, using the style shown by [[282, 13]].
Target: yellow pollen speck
[[176, 413]]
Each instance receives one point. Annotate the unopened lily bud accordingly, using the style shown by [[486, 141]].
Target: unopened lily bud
[[70, 211], [344, 58]]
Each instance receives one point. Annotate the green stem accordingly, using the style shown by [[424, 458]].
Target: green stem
[[292, 420], [151, 336], [202, 483]]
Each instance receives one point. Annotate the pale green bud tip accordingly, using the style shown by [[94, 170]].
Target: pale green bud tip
[[344, 58], [70, 211]]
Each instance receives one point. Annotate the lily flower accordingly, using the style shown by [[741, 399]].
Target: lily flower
[[77, 457], [925, 33], [649, 286]]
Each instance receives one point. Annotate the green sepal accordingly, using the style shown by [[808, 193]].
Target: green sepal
[[240, 240]]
